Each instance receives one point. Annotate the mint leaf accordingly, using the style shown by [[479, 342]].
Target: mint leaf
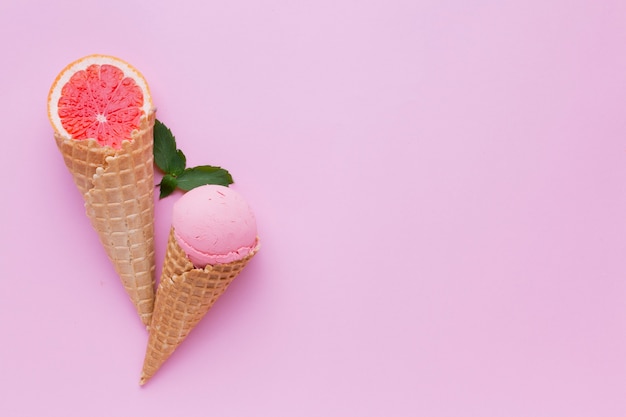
[[177, 163], [172, 162], [203, 175], [168, 185], [164, 144], [169, 159]]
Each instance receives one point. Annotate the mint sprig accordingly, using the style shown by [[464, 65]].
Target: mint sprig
[[169, 159], [172, 162]]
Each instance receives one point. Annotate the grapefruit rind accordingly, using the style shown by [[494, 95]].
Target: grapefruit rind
[[81, 64]]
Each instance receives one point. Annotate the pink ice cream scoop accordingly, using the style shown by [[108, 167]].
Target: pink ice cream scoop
[[214, 224]]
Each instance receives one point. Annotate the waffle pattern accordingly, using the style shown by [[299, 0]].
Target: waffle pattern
[[82, 158], [185, 294], [118, 188]]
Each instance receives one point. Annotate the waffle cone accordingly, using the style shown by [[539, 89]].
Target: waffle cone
[[185, 294], [117, 186]]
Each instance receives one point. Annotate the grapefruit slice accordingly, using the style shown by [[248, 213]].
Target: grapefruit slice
[[98, 97]]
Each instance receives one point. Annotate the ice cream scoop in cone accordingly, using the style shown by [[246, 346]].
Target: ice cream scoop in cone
[[184, 296], [103, 120], [210, 215]]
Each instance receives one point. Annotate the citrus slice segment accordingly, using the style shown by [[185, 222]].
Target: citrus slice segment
[[98, 97]]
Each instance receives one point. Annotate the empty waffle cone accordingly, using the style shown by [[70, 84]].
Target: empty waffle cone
[[117, 186], [185, 294]]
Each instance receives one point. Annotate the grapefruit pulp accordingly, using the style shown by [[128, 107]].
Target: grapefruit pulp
[[98, 97]]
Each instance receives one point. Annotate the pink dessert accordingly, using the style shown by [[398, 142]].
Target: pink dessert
[[213, 224]]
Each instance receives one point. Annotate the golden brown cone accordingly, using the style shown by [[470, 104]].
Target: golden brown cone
[[185, 294], [118, 188]]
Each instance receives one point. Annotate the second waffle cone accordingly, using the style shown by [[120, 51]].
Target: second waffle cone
[[184, 296]]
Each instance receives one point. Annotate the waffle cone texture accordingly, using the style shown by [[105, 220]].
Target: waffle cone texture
[[117, 186], [184, 296]]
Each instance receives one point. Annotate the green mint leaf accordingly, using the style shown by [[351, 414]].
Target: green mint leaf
[[172, 162], [178, 163], [164, 144], [168, 185], [203, 175], [169, 159]]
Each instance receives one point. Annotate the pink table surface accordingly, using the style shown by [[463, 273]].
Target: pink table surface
[[440, 189]]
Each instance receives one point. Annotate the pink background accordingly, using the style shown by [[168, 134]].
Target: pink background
[[440, 188]]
